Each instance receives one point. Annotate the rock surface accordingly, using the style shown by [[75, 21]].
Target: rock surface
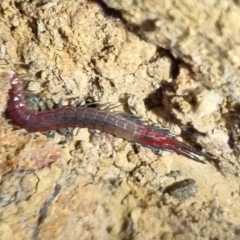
[[97, 186], [202, 33]]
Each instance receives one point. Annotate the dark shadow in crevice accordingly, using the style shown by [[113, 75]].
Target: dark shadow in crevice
[[109, 12], [232, 118]]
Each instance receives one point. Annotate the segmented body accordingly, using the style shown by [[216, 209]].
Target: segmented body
[[92, 118]]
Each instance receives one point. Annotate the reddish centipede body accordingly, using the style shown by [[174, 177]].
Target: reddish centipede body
[[92, 118]]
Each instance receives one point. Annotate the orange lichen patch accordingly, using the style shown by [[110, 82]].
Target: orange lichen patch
[[26, 152], [38, 153]]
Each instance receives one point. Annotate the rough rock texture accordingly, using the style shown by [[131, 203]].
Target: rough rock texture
[[93, 186], [203, 33]]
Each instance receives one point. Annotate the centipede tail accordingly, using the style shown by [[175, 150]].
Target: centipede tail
[[151, 138]]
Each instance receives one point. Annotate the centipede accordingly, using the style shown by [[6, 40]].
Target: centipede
[[116, 124]]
